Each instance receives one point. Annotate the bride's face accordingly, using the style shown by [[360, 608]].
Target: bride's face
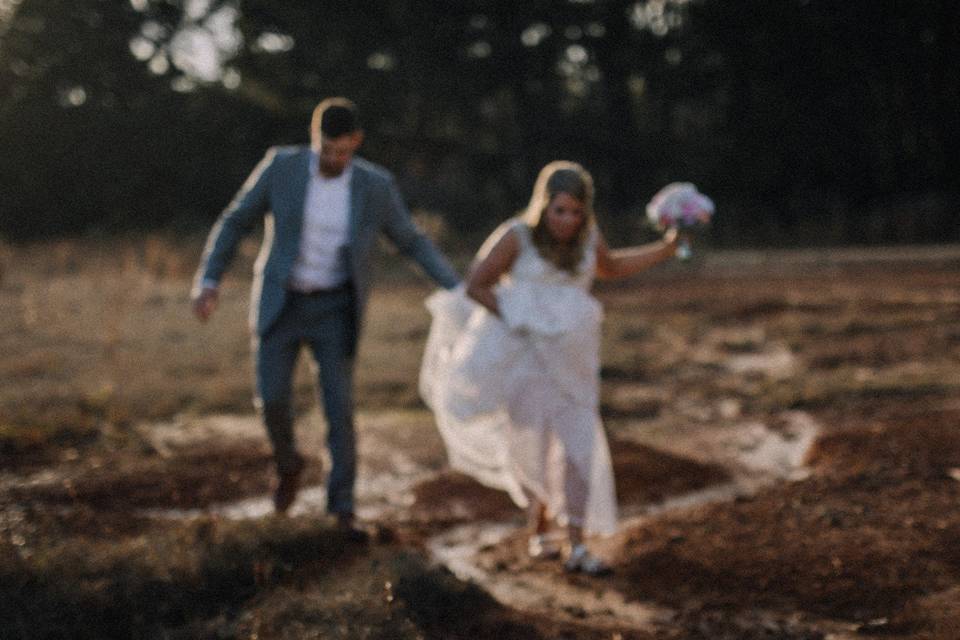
[[565, 215]]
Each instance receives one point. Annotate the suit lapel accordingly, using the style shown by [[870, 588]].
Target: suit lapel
[[358, 194], [298, 188]]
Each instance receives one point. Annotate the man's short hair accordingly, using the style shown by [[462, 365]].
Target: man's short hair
[[334, 117]]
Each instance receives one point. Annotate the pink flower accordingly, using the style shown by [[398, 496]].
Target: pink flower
[[680, 204]]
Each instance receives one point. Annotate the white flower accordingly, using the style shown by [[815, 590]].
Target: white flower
[[679, 204]]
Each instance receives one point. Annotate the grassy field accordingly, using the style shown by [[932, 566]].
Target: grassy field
[[117, 405], [97, 334]]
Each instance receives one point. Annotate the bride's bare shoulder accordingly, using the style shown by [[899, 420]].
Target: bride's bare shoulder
[[505, 239]]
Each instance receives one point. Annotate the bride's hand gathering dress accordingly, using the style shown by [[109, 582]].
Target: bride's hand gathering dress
[[516, 398]]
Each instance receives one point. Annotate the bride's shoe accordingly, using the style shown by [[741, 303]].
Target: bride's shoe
[[582, 561]]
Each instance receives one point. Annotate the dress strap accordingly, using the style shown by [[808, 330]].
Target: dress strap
[[523, 233], [594, 237]]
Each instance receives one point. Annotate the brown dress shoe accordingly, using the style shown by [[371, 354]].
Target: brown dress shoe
[[346, 525], [287, 487]]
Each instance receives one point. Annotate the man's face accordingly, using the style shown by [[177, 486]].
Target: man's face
[[336, 153]]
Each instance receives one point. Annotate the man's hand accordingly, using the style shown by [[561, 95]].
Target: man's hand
[[205, 303]]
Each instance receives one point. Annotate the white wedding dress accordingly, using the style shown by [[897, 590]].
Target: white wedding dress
[[514, 398]]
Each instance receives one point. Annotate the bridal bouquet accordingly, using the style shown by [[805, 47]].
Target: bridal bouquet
[[679, 204]]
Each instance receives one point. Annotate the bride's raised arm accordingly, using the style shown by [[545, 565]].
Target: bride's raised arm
[[619, 263]]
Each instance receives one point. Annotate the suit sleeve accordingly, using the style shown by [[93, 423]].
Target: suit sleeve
[[410, 241], [237, 220]]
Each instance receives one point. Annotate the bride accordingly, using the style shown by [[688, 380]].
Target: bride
[[511, 367]]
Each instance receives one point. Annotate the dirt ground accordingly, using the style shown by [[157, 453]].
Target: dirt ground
[[784, 428]]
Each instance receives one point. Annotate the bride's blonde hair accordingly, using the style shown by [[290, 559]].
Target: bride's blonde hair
[[559, 177]]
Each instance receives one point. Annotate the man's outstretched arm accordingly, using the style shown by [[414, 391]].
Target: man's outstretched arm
[[400, 228], [240, 216]]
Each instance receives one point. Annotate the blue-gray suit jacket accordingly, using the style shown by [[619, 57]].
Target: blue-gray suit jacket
[[276, 191]]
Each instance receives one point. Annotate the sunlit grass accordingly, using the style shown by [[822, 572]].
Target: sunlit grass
[[98, 332]]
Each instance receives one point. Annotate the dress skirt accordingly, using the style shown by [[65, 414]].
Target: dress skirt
[[516, 397]]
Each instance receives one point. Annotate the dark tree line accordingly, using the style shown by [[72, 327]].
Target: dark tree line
[[809, 121]]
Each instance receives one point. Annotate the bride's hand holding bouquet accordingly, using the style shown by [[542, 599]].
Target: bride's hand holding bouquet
[[680, 207]]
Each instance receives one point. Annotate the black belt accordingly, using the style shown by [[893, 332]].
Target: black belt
[[343, 288]]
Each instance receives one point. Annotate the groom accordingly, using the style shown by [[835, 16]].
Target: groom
[[323, 208]]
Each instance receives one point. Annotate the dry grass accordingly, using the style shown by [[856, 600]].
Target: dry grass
[[100, 332], [104, 332]]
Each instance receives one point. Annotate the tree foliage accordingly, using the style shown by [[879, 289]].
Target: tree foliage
[[809, 121]]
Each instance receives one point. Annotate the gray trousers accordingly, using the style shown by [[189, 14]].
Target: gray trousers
[[323, 322]]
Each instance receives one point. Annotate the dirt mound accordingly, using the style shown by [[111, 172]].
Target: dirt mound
[[453, 497], [644, 474], [865, 539], [925, 447], [208, 474]]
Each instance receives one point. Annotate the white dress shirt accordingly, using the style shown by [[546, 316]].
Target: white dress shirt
[[326, 225]]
